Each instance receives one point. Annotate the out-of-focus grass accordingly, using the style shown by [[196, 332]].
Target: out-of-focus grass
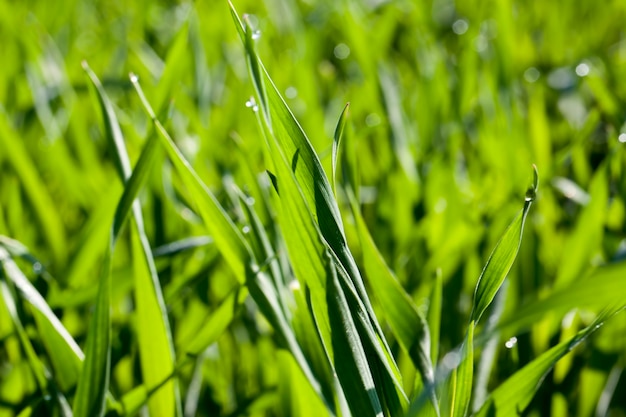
[[450, 105]]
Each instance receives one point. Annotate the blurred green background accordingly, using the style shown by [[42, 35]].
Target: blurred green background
[[450, 105]]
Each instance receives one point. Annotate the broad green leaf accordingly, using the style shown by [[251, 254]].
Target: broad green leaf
[[501, 259], [514, 395]]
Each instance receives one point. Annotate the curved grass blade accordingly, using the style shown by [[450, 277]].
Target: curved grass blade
[[407, 324], [65, 355], [501, 259], [433, 317], [227, 237], [93, 382], [312, 193], [457, 391], [602, 286], [351, 363], [514, 395], [34, 188], [341, 124], [155, 341]]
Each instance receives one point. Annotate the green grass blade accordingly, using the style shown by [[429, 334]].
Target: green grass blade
[[464, 375], [601, 287], [341, 124], [227, 237], [219, 320], [93, 382], [351, 363], [586, 238], [35, 364], [514, 395], [408, 325], [155, 340], [313, 196], [154, 337], [34, 188], [65, 355], [433, 317], [502, 257]]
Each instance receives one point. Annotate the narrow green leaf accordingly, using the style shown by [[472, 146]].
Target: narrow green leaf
[[341, 124], [227, 237], [217, 322], [513, 396], [601, 287], [34, 188], [433, 317], [93, 381], [586, 238], [351, 363], [464, 375], [408, 325], [155, 341], [285, 138], [501, 259]]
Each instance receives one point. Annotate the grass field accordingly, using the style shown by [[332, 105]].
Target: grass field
[[312, 208]]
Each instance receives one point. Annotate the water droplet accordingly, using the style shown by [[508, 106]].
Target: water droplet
[[294, 285], [37, 267], [441, 205], [251, 103], [341, 51], [250, 201], [451, 360], [460, 26], [245, 230], [372, 119], [622, 137], [509, 344], [291, 92], [256, 34], [532, 74], [582, 69], [133, 78]]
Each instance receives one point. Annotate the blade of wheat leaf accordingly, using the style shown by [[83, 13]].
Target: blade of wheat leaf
[[433, 316], [601, 287], [38, 369], [286, 138], [514, 395], [465, 375], [35, 364], [93, 381], [501, 259], [227, 237], [401, 313], [155, 341], [351, 363], [64, 353], [341, 124], [34, 188]]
